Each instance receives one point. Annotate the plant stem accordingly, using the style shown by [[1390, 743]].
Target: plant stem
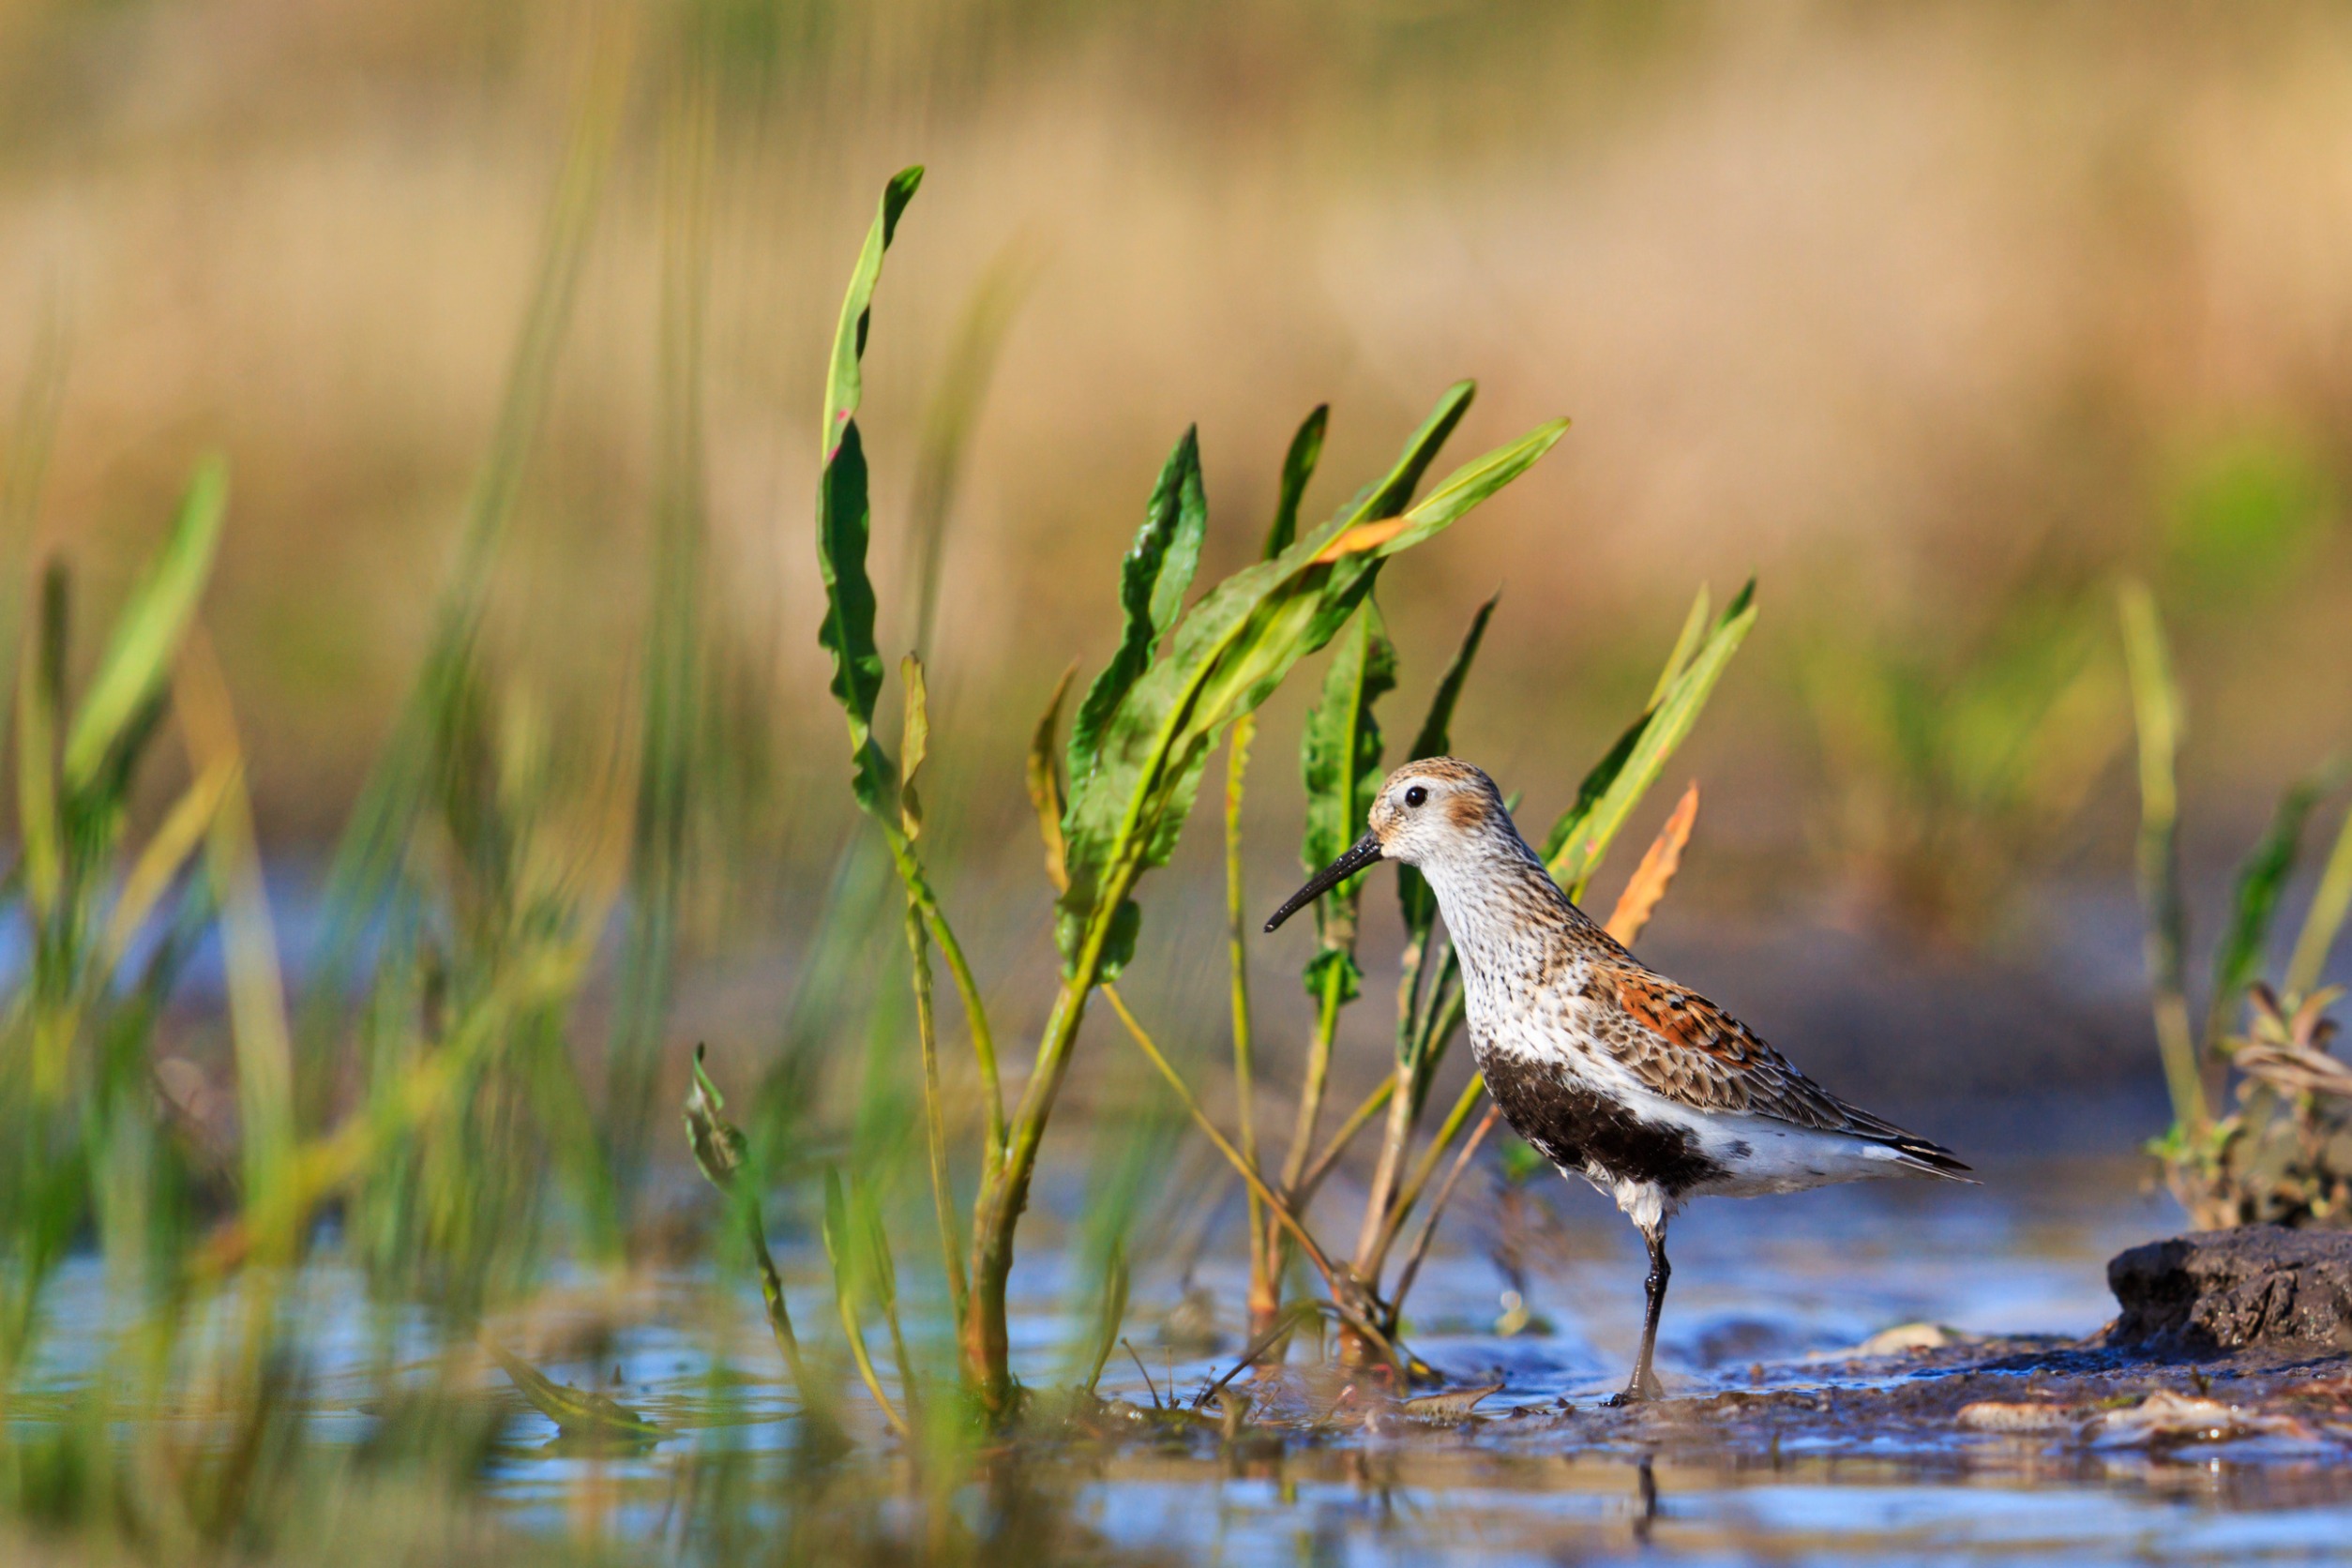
[[1348, 1295], [1437, 1207], [1357, 1120], [1263, 1308], [968, 989], [942, 1194], [1266, 1287], [1410, 1193], [772, 1296]]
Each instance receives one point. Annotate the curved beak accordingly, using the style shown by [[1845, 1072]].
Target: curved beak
[[1361, 854]]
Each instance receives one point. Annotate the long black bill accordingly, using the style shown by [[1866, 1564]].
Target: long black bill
[[1363, 853]]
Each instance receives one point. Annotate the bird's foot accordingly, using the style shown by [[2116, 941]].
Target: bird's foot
[[1643, 1390]]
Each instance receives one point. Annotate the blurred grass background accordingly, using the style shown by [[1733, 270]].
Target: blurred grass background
[[1933, 316]]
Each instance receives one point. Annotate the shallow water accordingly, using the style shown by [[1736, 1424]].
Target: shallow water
[[1760, 1291]]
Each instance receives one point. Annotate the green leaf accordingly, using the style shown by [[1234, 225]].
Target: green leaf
[[1231, 651], [719, 1147], [147, 635], [576, 1412], [1298, 467], [1418, 904], [1395, 488], [845, 521], [844, 383], [1574, 849], [1339, 757], [1153, 578], [2261, 882]]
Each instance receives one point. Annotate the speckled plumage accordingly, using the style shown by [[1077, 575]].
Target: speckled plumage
[[1614, 1072]]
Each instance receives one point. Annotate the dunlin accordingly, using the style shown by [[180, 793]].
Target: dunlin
[[1617, 1074]]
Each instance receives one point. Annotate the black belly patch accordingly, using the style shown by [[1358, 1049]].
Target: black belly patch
[[1579, 1128]]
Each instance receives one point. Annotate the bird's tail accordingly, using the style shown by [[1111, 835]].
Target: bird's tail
[[1928, 1159]]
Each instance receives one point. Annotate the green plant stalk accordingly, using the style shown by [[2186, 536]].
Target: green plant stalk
[[942, 1192], [918, 887], [1264, 1287], [2323, 920], [2156, 709]]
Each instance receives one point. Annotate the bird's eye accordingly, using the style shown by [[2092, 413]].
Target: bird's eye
[[1416, 795]]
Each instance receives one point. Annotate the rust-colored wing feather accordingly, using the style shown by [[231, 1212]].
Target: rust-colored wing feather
[[1684, 1048]]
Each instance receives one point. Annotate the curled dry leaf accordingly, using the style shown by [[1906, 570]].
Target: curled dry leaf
[[1450, 1408], [2000, 1415]]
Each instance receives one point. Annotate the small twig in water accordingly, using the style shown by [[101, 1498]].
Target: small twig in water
[[1147, 1376]]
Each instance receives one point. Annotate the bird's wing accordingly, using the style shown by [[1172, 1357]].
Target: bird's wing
[[1683, 1048]]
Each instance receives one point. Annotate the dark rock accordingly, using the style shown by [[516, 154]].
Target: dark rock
[[2215, 1290]]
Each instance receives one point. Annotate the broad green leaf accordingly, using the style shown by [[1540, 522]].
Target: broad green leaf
[[1298, 467], [1339, 758], [147, 635], [845, 521], [1436, 739], [1574, 849], [2261, 881], [1231, 651], [1153, 579]]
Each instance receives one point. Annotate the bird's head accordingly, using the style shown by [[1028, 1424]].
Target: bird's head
[[1427, 812]]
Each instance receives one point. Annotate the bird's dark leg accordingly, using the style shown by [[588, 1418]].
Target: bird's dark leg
[[1645, 1384]]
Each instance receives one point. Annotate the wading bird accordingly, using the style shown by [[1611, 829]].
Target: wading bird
[[1617, 1075]]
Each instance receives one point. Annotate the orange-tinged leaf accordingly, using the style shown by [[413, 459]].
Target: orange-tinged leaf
[[1363, 537], [1651, 878]]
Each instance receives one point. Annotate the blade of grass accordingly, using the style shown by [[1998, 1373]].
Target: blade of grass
[[672, 723], [148, 631], [848, 1273], [2261, 882], [2323, 920], [257, 994], [1573, 850], [2156, 709], [369, 857]]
